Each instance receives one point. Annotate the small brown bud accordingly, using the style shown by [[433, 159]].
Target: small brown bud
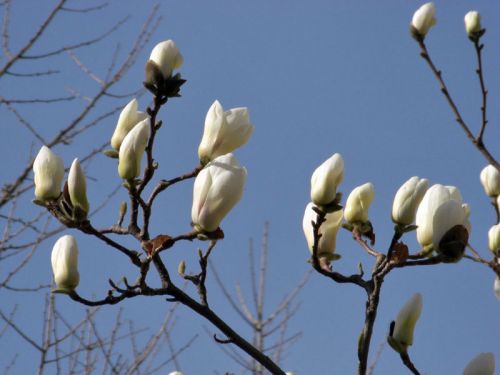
[[182, 268]]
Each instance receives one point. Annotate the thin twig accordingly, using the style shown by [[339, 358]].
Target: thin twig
[[478, 46], [408, 363], [458, 117]]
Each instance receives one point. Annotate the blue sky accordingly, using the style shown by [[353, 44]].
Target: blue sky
[[318, 77]]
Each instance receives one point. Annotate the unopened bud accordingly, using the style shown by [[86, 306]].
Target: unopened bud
[[181, 269], [423, 19], [483, 364], [472, 23], [123, 209]]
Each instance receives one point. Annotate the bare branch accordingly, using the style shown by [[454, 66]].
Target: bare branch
[[78, 45], [458, 117]]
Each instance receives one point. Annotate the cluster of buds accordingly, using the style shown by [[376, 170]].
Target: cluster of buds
[[217, 188], [48, 170], [70, 206], [424, 18], [220, 184], [325, 198], [490, 179]]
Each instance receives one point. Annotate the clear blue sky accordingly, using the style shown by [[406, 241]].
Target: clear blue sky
[[318, 77]]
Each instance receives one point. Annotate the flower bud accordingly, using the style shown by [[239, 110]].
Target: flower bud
[[65, 263], [132, 149], [423, 19], [407, 199], [401, 335], [48, 169], [77, 188], [358, 202], [472, 23], [224, 131], [494, 239], [175, 373], [217, 189], [166, 57], [328, 230], [325, 180], [129, 117], [439, 212], [490, 179], [496, 287], [181, 268], [483, 364]]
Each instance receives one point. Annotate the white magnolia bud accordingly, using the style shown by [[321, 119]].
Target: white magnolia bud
[[175, 373], [132, 149], [407, 199], [440, 210], [166, 57], [77, 187], [402, 333], [224, 131], [129, 117], [496, 287], [328, 230], [48, 169], [483, 364], [358, 202], [472, 22], [423, 19], [65, 263], [325, 180], [490, 179], [217, 189], [494, 239]]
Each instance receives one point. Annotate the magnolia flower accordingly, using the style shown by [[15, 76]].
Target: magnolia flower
[[407, 199], [496, 287], [175, 373], [224, 131], [442, 209], [65, 263], [325, 180], [423, 19], [494, 239], [358, 202], [77, 187], [401, 335], [217, 188], [166, 57], [490, 179], [483, 364], [328, 230], [472, 22], [129, 117], [132, 149], [48, 169]]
